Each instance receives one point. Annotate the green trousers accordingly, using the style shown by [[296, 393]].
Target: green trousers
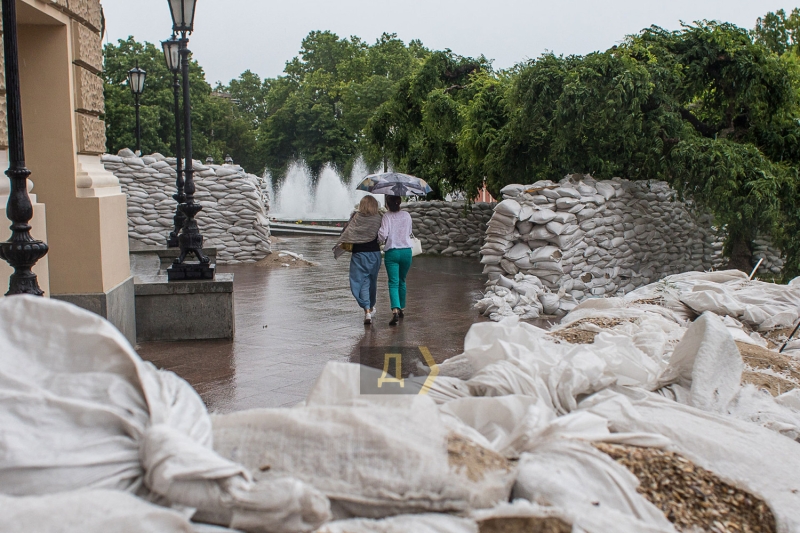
[[398, 262]]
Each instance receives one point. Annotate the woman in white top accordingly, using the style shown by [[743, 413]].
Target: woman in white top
[[395, 233]]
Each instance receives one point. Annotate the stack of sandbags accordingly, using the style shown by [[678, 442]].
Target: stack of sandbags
[[234, 216], [86, 422], [764, 249], [582, 238], [449, 228]]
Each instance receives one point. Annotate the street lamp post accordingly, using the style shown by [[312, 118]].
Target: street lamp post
[[190, 239], [172, 55], [136, 79], [21, 251]]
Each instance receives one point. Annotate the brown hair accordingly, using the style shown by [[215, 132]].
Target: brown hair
[[393, 203], [368, 206]]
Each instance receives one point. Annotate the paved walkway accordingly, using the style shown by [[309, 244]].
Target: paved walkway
[[291, 321]]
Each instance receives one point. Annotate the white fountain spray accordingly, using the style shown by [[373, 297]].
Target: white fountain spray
[[332, 199]]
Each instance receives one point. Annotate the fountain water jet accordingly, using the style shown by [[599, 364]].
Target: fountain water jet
[[296, 197]]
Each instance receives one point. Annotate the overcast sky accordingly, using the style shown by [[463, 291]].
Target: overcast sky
[[232, 36]]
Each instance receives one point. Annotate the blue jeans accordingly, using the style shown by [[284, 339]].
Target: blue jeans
[[364, 268]]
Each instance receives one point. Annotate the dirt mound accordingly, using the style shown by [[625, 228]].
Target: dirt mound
[[690, 496], [768, 369], [462, 453], [523, 525], [578, 333]]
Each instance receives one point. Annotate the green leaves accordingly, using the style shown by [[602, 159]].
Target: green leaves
[[705, 108], [319, 111], [711, 108], [218, 128]]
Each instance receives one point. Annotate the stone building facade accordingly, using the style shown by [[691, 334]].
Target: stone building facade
[[80, 210]]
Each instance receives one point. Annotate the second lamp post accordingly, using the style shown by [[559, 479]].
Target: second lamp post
[[172, 54], [190, 238], [136, 79]]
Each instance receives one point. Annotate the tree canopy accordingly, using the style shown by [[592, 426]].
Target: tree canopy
[[219, 127], [711, 108]]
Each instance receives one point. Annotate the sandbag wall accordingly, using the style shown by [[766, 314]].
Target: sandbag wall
[[450, 228], [582, 237], [764, 249], [234, 216]]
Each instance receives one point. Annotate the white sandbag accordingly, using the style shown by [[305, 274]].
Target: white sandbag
[[549, 302], [546, 253], [514, 189], [605, 189], [554, 227], [500, 218], [510, 208], [88, 511], [512, 425], [708, 362], [573, 475], [115, 422], [541, 233], [373, 455], [542, 216], [525, 213], [717, 443], [525, 226], [758, 406], [418, 523], [790, 399], [710, 297], [556, 373], [549, 266], [566, 241], [518, 251], [524, 263], [564, 218]]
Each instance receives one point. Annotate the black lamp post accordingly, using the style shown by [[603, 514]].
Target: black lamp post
[[172, 55], [136, 79], [190, 239], [21, 251]]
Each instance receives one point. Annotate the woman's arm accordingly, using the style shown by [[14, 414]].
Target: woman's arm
[[383, 233]]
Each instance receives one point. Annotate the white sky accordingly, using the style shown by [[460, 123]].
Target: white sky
[[232, 36]]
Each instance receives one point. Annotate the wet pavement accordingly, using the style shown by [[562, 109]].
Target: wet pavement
[[291, 321]]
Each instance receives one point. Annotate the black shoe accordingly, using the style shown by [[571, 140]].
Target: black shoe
[[400, 313], [395, 319]]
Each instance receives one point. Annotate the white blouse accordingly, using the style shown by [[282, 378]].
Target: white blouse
[[395, 230]]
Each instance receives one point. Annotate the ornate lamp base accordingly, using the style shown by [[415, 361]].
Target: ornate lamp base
[[22, 252], [191, 271]]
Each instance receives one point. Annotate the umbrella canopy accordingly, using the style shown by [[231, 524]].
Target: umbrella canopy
[[395, 184]]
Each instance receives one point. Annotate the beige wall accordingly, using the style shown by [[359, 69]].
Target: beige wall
[[60, 59]]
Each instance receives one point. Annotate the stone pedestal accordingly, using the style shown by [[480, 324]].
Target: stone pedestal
[[191, 271], [167, 255], [184, 310], [115, 305]]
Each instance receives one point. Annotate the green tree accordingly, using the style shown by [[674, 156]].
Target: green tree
[[704, 108], [419, 127], [218, 128], [318, 111], [777, 32]]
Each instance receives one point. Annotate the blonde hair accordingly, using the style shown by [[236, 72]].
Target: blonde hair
[[368, 206]]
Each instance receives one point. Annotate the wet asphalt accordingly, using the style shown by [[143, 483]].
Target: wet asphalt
[[291, 321]]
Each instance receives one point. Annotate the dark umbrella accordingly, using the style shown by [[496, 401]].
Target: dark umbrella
[[394, 184]]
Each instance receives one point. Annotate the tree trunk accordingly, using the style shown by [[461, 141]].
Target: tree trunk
[[741, 255]]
